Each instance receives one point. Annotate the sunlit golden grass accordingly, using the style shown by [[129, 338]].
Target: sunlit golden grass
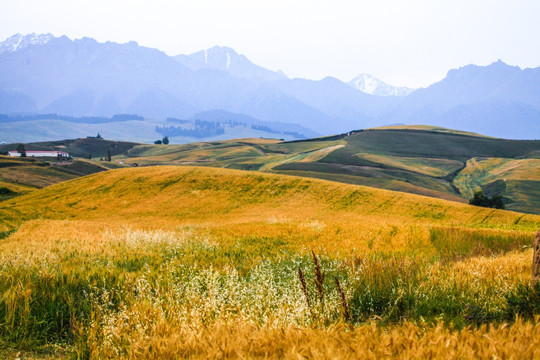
[[236, 339], [309, 213], [164, 294], [178, 194], [175, 262]]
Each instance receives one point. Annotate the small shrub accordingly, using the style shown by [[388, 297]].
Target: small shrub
[[477, 314], [6, 191]]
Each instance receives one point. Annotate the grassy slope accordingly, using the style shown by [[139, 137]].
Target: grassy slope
[[78, 147], [420, 160], [515, 179], [22, 175], [101, 262], [27, 174], [430, 128], [165, 196]]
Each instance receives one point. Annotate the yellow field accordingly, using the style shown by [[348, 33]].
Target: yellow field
[[175, 262]]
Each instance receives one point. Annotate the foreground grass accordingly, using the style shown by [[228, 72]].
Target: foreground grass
[[208, 263], [137, 294]]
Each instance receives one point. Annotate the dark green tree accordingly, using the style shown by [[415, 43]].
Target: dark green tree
[[21, 150], [497, 202], [108, 155], [165, 140], [479, 199], [158, 142], [6, 191]]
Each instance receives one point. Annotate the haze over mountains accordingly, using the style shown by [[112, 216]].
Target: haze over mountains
[[47, 74], [374, 86]]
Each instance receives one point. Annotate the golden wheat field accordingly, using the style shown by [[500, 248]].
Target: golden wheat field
[[185, 262]]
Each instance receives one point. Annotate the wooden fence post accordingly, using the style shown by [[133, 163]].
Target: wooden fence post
[[536, 259]]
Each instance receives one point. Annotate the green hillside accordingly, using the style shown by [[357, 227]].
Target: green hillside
[[96, 147], [23, 175]]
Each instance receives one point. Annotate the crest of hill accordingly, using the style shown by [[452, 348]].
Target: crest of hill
[[168, 196], [430, 128]]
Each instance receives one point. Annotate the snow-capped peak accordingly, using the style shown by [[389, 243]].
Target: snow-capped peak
[[371, 85], [227, 59], [19, 41]]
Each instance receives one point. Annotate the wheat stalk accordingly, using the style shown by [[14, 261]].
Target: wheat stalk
[[346, 309], [319, 277], [304, 288]]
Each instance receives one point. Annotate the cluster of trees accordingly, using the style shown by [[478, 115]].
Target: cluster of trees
[[479, 199], [73, 119], [202, 129], [164, 141], [98, 136]]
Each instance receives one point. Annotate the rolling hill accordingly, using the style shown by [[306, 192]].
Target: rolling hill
[[240, 258], [431, 161], [422, 160], [148, 196], [23, 175]]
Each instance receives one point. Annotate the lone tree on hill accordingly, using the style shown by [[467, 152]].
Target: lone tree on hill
[[165, 140], [108, 155]]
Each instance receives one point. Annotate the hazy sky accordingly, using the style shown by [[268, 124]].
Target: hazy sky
[[402, 42]]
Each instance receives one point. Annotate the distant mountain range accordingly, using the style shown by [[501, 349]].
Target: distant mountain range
[[47, 74]]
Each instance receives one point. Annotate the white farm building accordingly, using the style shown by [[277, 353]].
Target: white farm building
[[56, 154]]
